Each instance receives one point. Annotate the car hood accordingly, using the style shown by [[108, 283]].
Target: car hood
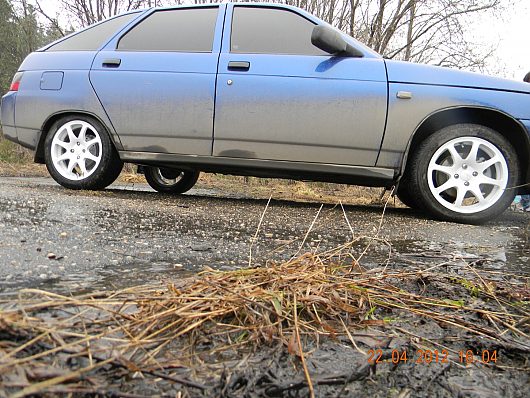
[[407, 72]]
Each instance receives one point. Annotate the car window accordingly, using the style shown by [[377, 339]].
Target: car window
[[185, 30], [260, 30], [94, 37]]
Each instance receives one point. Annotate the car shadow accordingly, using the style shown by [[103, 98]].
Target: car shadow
[[226, 198]]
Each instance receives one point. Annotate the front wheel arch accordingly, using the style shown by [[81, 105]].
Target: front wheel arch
[[511, 129], [456, 163]]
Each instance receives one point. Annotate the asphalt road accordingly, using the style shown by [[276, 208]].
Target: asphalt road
[[59, 239]]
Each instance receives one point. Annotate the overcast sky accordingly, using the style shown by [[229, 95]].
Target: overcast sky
[[511, 33]]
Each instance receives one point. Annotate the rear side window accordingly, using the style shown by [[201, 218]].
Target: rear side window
[[183, 30], [95, 36], [259, 30]]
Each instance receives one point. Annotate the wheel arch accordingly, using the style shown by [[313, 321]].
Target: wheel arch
[[48, 123], [497, 120]]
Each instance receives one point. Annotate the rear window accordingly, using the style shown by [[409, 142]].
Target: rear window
[[182, 30], [95, 36]]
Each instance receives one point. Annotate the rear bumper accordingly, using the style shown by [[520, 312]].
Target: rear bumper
[[26, 137], [7, 116]]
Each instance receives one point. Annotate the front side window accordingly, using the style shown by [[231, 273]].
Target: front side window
[[93, 37], [183, 30], [258, 30]]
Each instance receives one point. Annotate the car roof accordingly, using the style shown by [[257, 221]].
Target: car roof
[[207, 5]]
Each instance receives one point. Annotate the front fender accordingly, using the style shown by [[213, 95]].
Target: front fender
[[405, 116]]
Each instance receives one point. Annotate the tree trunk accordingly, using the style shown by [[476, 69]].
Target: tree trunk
[[410, 30]]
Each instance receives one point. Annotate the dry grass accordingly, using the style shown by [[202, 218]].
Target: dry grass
[[292, 190], [153, 329], [22, 169], [13, 153], [256, 187]]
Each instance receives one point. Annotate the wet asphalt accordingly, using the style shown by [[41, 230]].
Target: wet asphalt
[[126, 235]]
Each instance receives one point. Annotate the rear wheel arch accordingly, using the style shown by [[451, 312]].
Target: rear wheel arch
[[502, 123], [79, 153], [39, 151]]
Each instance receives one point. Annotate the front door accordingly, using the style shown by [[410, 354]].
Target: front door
[[281, 98]]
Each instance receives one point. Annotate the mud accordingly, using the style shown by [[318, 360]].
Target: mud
[[68, 241]]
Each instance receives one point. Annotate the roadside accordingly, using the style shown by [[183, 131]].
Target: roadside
[[60, 238], [255, 187], [80, 242]]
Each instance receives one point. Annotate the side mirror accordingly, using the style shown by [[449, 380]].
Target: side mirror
[[527, 78], [331, 41]]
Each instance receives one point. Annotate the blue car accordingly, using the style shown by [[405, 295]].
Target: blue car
[[267, 90]]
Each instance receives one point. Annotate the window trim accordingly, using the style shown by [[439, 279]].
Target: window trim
[[49, 46], [270, 8], [154, 11]]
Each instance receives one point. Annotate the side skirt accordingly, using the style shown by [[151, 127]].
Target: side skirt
[[341, 174]]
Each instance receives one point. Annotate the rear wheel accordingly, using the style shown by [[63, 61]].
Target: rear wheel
[[80, 155], [461, 173], [166, 180]]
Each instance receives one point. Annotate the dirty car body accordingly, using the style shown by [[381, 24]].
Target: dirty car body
[[267, 90]]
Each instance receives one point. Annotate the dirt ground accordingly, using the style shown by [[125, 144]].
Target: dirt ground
[[75, 243]]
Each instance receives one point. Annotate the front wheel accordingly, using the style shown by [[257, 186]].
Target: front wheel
[[463, 173], [166, 180], [405, 196], [80, 155]]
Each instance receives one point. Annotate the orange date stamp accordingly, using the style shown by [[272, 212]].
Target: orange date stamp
[[428, 357]]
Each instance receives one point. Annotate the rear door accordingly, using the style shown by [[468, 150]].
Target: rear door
[[157, 81], [281, 98]]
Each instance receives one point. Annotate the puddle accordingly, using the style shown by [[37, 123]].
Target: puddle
[[117, 238], [147, 266], [134, 274], [514, 257]]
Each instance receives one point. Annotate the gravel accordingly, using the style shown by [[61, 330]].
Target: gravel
[[126, 235]]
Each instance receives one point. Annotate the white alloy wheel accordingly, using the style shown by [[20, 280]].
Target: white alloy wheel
[[467, 175], [76, 150]]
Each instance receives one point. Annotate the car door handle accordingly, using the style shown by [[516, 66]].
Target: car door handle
[[239, 65], [111, 63]]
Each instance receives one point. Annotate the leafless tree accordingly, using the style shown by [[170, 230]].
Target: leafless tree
[[428, 31], [81, 13]]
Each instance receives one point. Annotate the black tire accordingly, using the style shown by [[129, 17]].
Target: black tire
[[405, 197], [166, 180], [447, 205], [102, 174]]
